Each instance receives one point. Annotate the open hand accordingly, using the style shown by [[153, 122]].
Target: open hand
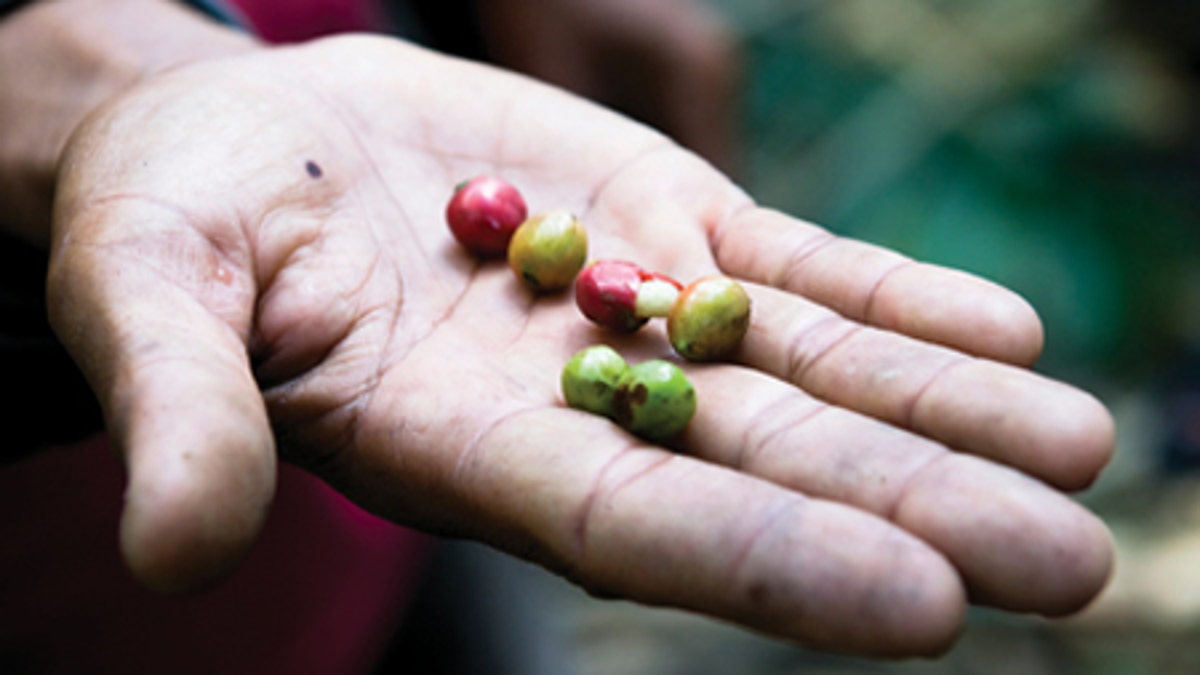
[[250, 256]]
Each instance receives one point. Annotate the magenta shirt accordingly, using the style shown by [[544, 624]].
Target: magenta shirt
[[322, 591], [296, 20]]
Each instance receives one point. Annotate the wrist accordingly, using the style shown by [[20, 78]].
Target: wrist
[[59, 59]]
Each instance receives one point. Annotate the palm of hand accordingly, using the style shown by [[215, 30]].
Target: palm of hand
[[258, 255]]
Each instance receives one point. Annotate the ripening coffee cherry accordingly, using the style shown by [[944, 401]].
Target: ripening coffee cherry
[[709, 319], [548, 250], [483, 213], [623, 296]]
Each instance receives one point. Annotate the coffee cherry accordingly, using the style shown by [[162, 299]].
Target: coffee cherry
[[590, 378], [622, 296], [548, 250], [709, 319], [483, 213], [654, 400]]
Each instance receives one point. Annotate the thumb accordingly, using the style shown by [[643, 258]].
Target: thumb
[[151, 319]]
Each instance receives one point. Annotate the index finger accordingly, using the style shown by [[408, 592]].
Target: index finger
[[879, 287]]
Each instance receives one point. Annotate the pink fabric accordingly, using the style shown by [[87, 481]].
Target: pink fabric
[[321, 592], [296, 20]]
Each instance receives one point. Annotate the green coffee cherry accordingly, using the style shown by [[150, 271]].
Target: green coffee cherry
[[590, 379], [548, 250], [709, 319], [654, 400]]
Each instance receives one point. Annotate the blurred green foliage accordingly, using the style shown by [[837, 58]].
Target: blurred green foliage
[[1030, 141]]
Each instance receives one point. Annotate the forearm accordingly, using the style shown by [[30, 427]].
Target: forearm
[[59, 59]]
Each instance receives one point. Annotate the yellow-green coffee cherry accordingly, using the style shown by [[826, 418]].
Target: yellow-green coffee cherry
[[548, 250], [709, 318], [654, 400], [590, 378]]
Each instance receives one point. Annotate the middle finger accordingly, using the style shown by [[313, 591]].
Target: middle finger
[[997, 411]]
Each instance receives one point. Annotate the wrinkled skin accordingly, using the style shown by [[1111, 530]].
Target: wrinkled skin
[[846, 482]]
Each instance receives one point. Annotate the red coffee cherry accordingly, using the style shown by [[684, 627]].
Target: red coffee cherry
[[483, 213], [623, 296]]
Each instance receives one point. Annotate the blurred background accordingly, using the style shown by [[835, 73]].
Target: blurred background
[[1049, 145]]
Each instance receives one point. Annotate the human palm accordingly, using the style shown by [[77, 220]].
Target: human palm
[[251, 254]]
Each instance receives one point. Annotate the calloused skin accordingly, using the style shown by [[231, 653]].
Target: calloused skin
[[249, 258]]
